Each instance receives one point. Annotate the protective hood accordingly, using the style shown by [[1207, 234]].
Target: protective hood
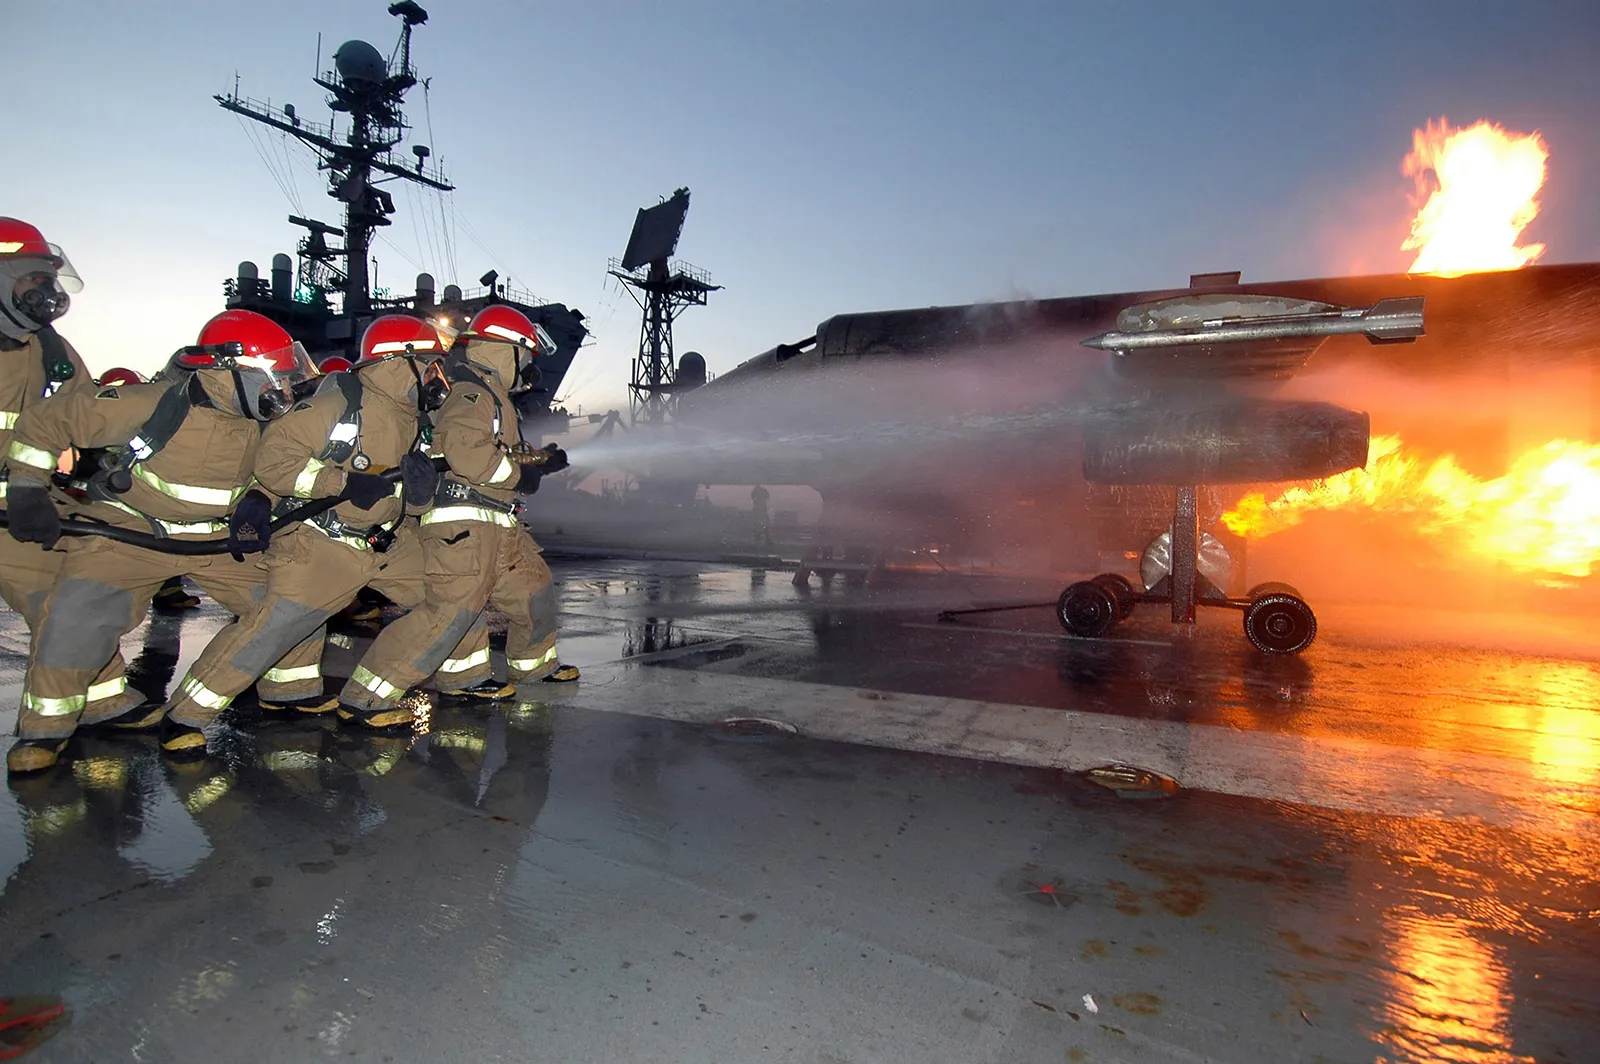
[[396, 378], [496, 357]]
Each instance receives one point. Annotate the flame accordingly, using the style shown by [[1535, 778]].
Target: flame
[[1482, 185], [1542, 516]]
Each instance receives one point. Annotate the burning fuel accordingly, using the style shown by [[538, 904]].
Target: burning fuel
[[1542, 516], [1481, 186]]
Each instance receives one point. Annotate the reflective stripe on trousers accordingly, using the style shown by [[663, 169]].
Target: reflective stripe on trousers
[[304, 672], [472, 660], [530, 664], [201, 695], [98, 692], [374, 683], [54, 707]]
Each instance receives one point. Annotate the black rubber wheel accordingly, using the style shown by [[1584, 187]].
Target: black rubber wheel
[[1280, 624], [1087, 609], [1121, 589], [1272, 587]]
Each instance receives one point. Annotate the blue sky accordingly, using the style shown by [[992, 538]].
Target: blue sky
[[842, 156]]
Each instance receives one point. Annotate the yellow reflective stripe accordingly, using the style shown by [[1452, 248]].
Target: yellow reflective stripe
[[174, 528], [351, 541], [109, 689], [30, 456], [467, 513], [8, 419], [529, 664], [304, 672], [374, 683], [306, 482], [202, 695], [504, 471], [477, 657], [184, 492], [54, 707]]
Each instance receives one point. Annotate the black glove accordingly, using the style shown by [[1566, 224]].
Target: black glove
[[250, 527], [33, 517], [557, 460], [528, 479], [366, 490], [421, 480]]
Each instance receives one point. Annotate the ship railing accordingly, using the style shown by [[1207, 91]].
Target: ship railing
[[502, 291]]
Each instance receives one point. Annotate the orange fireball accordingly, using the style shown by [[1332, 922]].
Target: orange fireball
[[1542, 516], [1482, 187]]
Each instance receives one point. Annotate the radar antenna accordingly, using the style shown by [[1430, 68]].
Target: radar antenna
[[663, 289]]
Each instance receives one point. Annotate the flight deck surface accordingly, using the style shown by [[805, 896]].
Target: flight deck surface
[[1383, 849]]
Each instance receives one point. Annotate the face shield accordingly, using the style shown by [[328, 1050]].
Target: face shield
[[528, 375], [267, 383], [264, 384], [34, 290]]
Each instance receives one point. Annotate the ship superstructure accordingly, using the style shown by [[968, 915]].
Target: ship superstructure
[[325, 296]]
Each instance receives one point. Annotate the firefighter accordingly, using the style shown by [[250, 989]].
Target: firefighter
[[186, 448], [476, 553], [35, 362], [358, 425]]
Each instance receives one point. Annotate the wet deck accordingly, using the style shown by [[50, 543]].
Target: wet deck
[[1385, 850]]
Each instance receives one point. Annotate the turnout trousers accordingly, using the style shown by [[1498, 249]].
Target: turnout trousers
[[27, 573], [310, 576], [467, 565], [102, 593]]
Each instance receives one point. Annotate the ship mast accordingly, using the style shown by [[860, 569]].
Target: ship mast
[[365, 87]]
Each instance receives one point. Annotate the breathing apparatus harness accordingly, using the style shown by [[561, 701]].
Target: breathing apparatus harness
[[344, 445]]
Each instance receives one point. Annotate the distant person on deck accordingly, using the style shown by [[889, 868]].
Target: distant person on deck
[[758, 513]]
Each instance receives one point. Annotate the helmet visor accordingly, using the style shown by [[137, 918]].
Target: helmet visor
[[53, 262], [268, 381]]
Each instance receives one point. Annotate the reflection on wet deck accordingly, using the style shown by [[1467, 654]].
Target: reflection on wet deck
[[565, 878]]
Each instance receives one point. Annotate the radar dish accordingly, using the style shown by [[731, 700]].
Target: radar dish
[[359, 63]]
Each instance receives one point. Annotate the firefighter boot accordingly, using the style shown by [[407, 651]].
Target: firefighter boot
[[180, 740], [34, 755], [490, 690]]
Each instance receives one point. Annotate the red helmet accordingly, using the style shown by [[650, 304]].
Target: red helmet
[[334, 364], [117, 376], [397, 334], [21, 241], [506, 324], [265, 361]]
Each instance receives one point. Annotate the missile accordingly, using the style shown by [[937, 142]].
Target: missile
[[1165, 324], [1245, 334]]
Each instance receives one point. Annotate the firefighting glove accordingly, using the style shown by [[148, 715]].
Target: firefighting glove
[[528, 477], [366, 490], [250, 527], [33, 517], [421, 480]]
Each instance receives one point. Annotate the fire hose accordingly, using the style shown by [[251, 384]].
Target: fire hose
[[166, 545]]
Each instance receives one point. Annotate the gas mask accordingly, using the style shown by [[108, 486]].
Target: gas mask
[[37, 298]]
